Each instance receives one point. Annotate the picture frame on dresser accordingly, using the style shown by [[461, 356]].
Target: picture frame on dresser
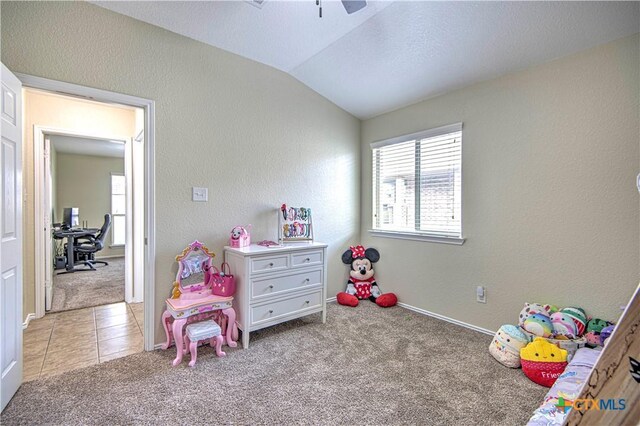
[[277, 284]]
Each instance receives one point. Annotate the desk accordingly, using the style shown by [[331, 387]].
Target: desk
[[71, 235]]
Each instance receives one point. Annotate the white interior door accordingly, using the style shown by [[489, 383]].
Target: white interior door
[[134, 245], [128, 245], [48, 212], [138, 217], [10, 235]]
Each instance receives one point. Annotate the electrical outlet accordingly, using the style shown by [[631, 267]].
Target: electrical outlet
[[200, 194], [481, 294]]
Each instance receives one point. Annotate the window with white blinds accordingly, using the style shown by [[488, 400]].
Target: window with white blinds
[[417, 183]]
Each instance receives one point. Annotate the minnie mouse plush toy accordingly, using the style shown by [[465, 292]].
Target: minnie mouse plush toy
[[361, 284]]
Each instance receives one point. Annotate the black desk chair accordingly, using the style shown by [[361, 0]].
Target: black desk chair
[[87, 246]]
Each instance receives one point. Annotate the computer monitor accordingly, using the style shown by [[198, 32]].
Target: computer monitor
[[70, 217]]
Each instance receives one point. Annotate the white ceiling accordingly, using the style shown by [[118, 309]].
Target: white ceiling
[[392, 54], [85, 146]]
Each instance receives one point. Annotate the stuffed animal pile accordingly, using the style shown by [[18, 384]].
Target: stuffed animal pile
[[545, 330]]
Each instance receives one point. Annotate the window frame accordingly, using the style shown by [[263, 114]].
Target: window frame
[[375, 187], [113, 215]]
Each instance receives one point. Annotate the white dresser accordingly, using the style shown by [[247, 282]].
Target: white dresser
[[277, 284]]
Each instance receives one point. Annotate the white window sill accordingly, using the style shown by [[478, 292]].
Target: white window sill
[[114, 246], [416, 237]]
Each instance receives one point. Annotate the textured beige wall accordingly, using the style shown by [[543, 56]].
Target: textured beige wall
[[54, 111], [550, 208], [255, 136], [84, 181]]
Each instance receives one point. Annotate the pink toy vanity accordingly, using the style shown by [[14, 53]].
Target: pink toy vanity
[[193, 301]]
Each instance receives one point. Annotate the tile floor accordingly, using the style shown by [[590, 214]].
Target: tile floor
[[68, 340]]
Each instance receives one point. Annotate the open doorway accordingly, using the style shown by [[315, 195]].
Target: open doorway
[[88, 214], [88, 200]]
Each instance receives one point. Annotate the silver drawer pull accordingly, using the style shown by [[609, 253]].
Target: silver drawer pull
[[270, 287], [307, 280], [270, 311], [307, 302], [271, 265], [307, 259]]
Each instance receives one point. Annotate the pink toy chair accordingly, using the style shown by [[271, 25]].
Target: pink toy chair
[[200, 331]]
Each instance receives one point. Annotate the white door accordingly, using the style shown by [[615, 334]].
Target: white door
[[49, 241], [10, 235], [134, 246], [128, 245], [138, 217]]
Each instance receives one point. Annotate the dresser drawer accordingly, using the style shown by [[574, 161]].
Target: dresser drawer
[[264, 287], [280, 308], [269, 264], [307, 258]]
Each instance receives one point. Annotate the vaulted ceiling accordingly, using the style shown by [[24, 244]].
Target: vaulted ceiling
[[392, 54]]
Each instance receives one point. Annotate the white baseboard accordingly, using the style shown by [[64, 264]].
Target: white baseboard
[[109, 257], [30, 317], [434, 315], [447, 319]]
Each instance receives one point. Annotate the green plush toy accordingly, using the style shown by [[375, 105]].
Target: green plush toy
[[596, 325]]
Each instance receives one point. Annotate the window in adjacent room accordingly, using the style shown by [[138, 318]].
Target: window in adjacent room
[[417, 185], [118, 209]]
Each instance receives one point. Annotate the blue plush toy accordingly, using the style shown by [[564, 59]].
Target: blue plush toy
[[538, 324]]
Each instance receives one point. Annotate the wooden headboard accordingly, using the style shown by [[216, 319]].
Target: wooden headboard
[[611, 376]]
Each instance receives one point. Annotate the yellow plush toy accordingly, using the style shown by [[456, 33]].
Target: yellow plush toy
[[543, 362]]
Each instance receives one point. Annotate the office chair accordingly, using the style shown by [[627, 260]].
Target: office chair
[[88, 246]]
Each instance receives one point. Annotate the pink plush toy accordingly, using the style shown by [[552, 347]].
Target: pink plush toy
[[240, 237], [362, 284]]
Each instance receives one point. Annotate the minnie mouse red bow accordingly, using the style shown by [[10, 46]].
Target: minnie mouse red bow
[[357, 251]]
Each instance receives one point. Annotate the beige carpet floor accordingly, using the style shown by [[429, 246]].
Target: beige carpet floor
[[365, 366], [84, 289]]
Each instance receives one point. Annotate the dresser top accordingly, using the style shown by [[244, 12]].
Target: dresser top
[[255, 249]]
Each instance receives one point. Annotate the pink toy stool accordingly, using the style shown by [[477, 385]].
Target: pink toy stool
[[200, 331]]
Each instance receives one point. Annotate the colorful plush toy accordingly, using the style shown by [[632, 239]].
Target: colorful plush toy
[[578, 316], [361, 284], [542, 362], [597, 324], [538, 324], [506, 344], [606, 333], [593, 339], [533, 308], [563, 326]]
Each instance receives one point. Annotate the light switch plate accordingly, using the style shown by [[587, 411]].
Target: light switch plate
[[200, 194]]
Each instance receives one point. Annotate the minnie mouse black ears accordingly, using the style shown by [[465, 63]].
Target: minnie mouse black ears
[[372, 254], [355, 253]]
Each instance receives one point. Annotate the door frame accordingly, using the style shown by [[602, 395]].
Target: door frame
[[148, 106], [42, 243]]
